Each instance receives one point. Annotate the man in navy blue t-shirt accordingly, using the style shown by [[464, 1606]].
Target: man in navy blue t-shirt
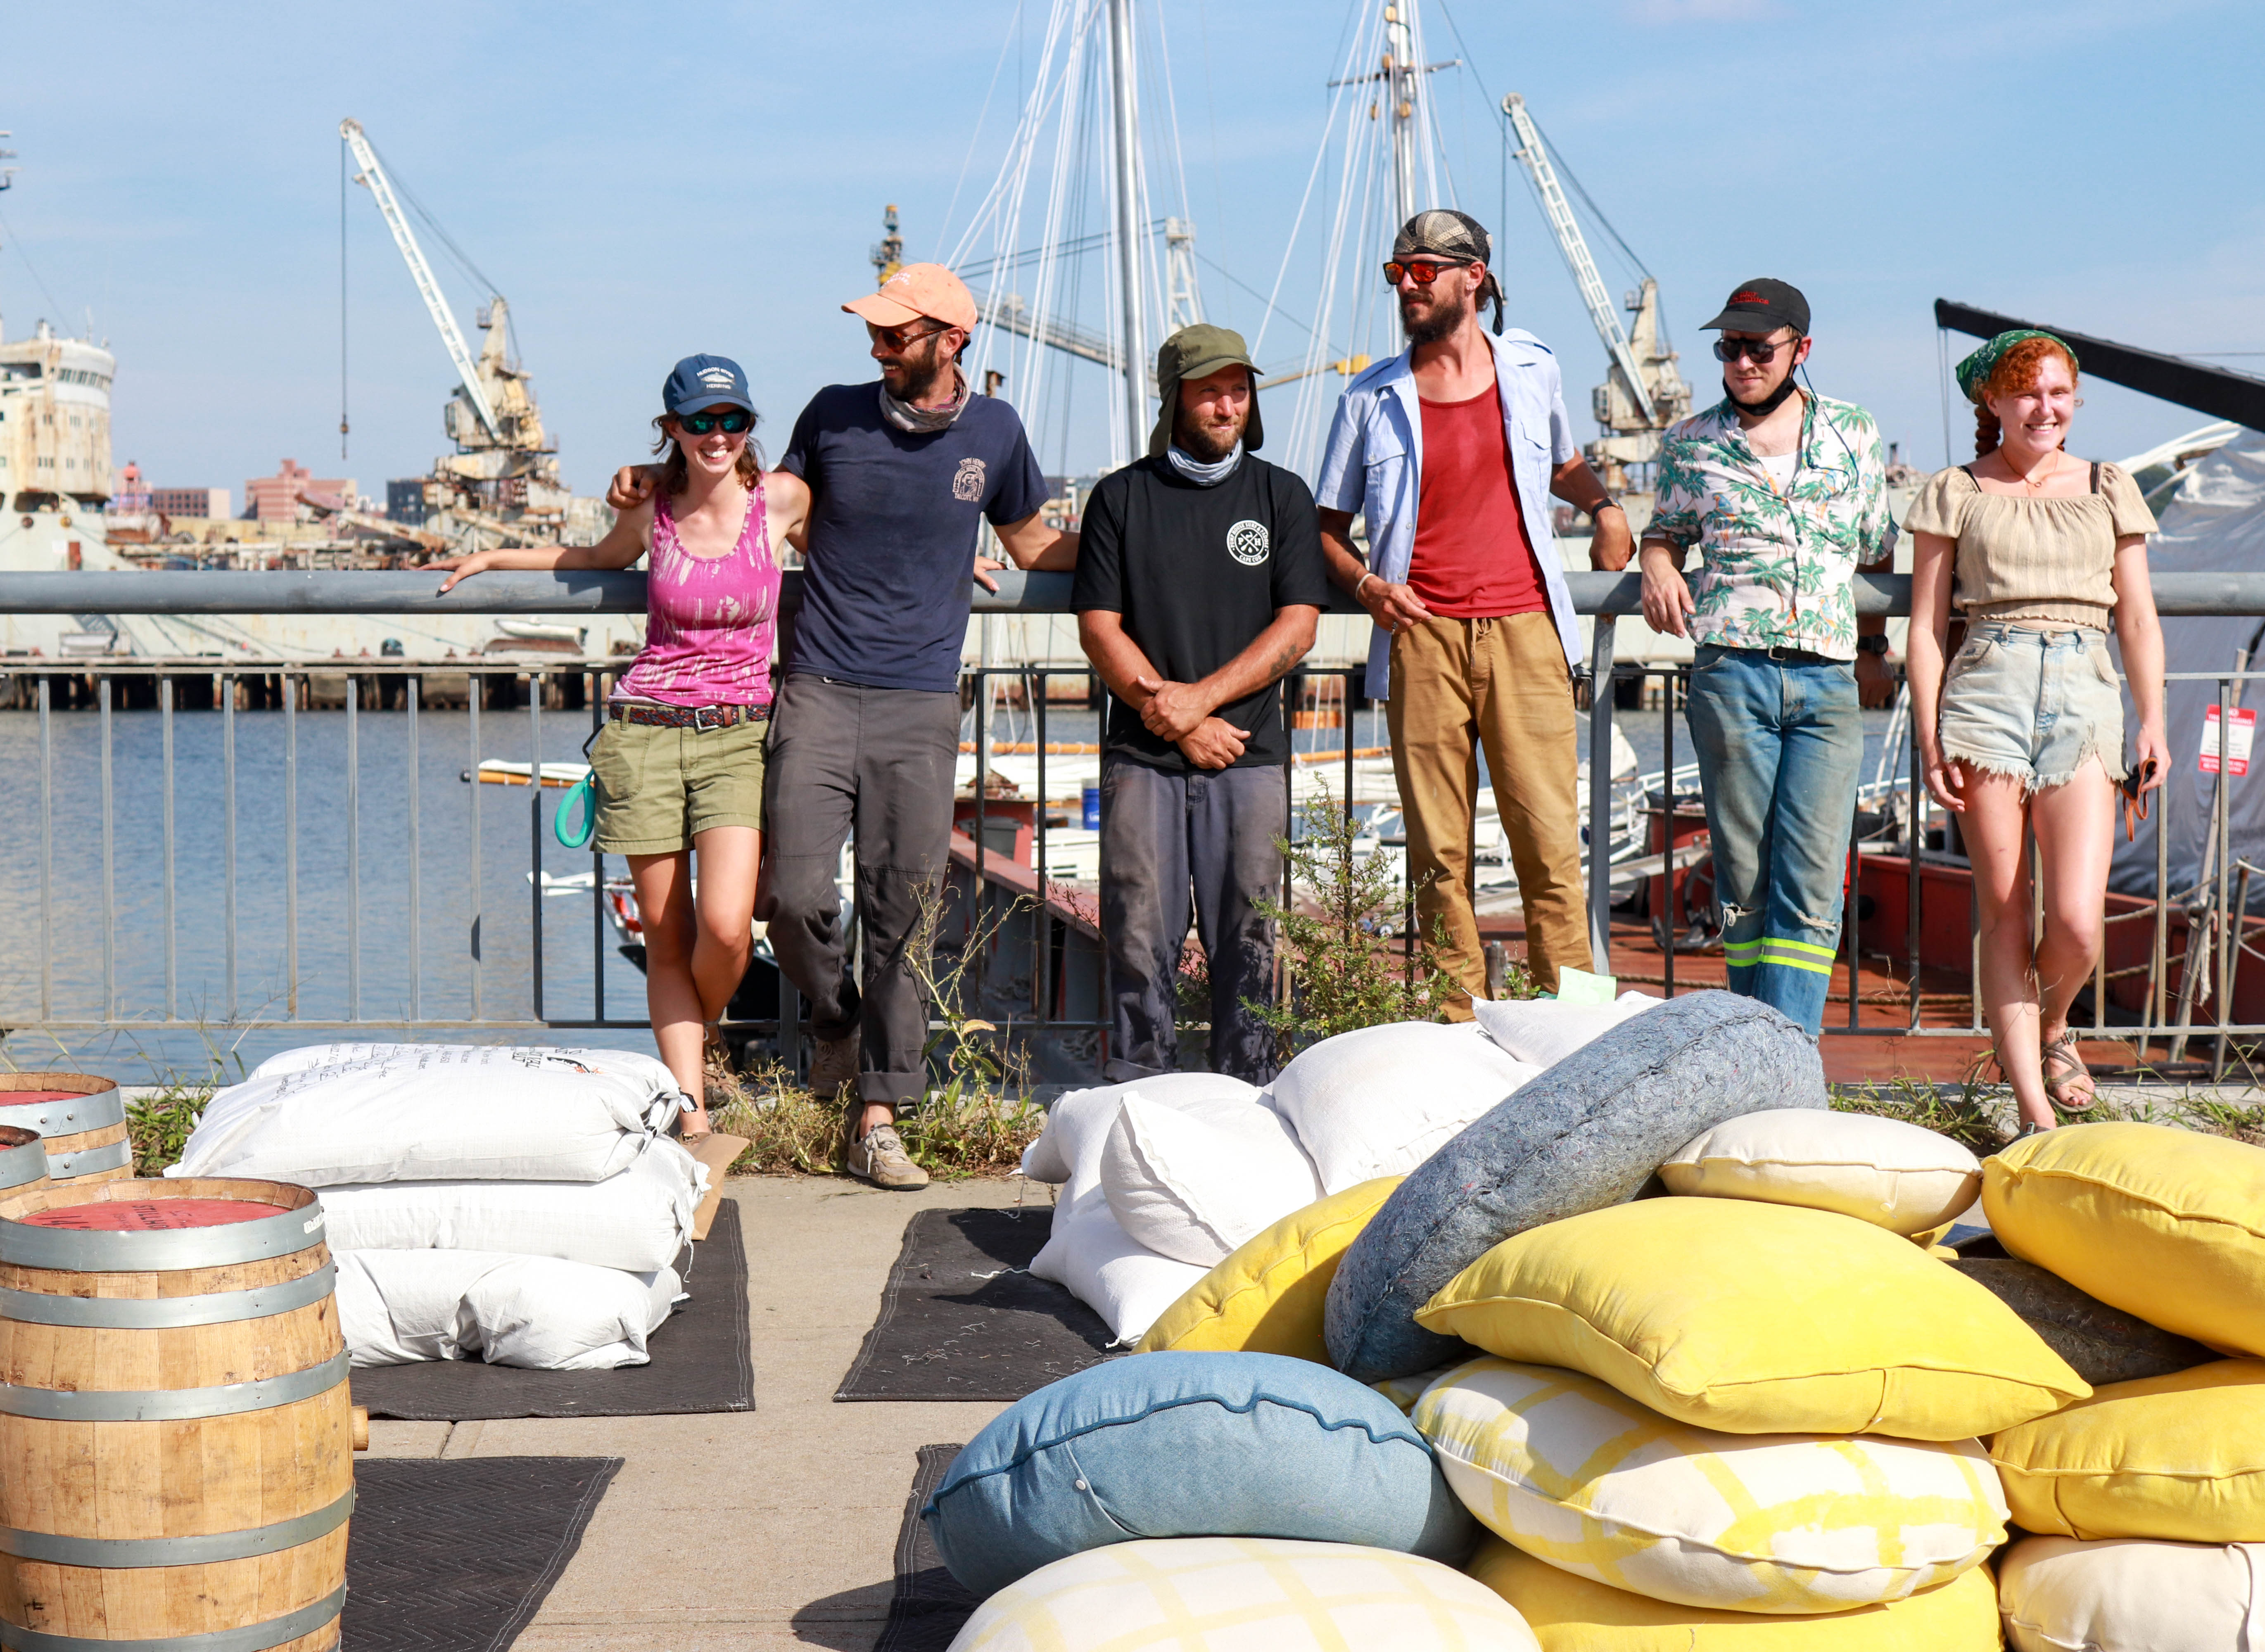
[[865, 727]]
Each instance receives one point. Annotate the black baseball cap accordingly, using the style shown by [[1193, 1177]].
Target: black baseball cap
[[1763, 306], [699, 383]]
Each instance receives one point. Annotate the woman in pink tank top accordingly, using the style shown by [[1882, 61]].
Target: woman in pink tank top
[[678, 765]]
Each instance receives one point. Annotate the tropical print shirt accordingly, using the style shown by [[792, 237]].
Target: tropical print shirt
[[1777, 565]]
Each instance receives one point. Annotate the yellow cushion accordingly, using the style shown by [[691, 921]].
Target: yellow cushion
[[1404, 1392], [1574, 1614], [1244, 1595], [2165, 1224], [2180, 1458], [1759, 1318], [1268, 1295], [1591, 1481]]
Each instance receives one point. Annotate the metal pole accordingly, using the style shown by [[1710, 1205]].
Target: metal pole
[[353, 848], [1399, 77], [46, 855], [1667, 823], [2158, 958], [1125, 132], [475, 687], [535, 834], [1600, 791], [109, 856], [597, 682], [291, 845], [228, 830], [1041, 919], [165, 725], [415, 692], [1915, 846], [2220, 895]]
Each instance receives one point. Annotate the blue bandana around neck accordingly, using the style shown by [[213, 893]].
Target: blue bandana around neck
[[1203, 476]]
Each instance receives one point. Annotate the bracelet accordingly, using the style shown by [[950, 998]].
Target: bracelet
[[1363, 580], [1607, 503]]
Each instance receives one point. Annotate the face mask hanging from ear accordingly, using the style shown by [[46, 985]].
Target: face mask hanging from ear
[[1771, 403]]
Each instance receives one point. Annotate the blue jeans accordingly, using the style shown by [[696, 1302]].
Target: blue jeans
[[1779, 744], [1173, 847]]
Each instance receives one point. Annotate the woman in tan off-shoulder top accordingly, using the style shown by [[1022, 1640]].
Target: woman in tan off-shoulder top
[[2024, 732]]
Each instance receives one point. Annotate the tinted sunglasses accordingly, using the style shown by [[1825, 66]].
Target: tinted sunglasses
[[733, 421], [1761, 351], [1422, 274], [903, 337]]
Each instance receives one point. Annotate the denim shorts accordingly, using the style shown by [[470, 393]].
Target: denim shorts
[[2032, 704]]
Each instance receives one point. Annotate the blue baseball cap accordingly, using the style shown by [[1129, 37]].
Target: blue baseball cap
[[699, 383]]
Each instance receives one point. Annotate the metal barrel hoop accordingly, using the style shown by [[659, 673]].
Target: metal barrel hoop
[[174, 1405], [252, 1637], [203, 1549], [166, 1314], [111, 1156], [97, 1111], [17, 1166], [80, 1250]]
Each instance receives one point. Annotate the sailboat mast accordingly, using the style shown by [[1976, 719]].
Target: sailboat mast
[[1400, 76], [1126, 130]]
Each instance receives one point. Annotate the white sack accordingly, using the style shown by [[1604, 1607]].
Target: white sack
[[2059, 1594], [1895, 1175], [1193, 1185], [395, 1307], [637, 1220], [1088, 1250], [1077, 1115], [406, 1112], [1380, 1100], [1544, 1031]]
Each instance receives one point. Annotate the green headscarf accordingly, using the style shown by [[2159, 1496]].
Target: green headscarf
[[1973, 371]]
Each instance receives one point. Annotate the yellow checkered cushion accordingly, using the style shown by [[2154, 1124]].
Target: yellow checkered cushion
[[1589, 1480], [1245, 1595]]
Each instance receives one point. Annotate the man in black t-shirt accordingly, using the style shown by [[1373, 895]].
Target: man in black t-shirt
[[1199, 583], [865, 727]]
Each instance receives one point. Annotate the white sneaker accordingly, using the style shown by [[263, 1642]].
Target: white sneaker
[[879, 1157]]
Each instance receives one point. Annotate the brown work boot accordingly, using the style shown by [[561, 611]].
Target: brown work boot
[[879, 1157], [832, 1065]]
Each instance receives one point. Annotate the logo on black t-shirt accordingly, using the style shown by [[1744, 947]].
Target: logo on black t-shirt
[[968, 482], [1247, 542]]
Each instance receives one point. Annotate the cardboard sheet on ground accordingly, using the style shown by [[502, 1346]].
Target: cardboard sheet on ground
[[716, 1153]]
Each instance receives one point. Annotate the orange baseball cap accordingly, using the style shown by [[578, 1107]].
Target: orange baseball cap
[[917, 290]]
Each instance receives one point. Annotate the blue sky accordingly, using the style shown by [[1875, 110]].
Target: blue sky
[[643, 184]]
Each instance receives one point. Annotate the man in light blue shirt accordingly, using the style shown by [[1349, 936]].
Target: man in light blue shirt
[[1450, 451]]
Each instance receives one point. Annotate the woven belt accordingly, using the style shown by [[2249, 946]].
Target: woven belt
[[692, 717]]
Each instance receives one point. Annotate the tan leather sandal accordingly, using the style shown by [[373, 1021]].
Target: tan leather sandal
[[2063, 1070]]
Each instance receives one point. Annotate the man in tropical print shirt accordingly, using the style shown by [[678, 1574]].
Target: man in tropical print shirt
[[1784, 494]]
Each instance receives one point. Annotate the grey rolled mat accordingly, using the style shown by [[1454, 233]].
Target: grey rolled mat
[[456, 1555], [1589, 1132], [2103, 1344], [929, 1605]]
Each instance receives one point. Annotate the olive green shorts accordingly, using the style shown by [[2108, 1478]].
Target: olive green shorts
[[657, 787]]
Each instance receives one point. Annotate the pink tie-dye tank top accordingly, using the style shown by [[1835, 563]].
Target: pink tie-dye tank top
[[710, 621]]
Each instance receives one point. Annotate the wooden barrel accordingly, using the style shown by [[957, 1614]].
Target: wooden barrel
[[23, 1161], [175, 1465], [82, 1116]]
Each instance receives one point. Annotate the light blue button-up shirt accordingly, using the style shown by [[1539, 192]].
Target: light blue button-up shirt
[[1373, 466]]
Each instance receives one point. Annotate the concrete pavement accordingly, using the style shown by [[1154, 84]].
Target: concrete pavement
[[766, 1529]]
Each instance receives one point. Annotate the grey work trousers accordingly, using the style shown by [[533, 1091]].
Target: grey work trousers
[[1171, 844], [879, 761]]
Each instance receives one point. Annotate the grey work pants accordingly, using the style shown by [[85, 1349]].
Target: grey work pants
[[879, 761], [1175, 843]]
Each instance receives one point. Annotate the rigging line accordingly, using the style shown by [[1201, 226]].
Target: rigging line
[[1015, 170], [13, 240], [1557, 159], [343, 169], [1014, 36], [1320, 153], [448, 242], [1211, 113], [1236, 281]]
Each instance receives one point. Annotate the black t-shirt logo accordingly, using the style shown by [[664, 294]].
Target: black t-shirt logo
[[967, 483], [1247, 542]]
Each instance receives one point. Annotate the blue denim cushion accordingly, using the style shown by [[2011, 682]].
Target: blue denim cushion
[[1190, 1444], [1589, 1132]]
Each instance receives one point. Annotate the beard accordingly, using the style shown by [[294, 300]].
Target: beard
[[1206, 444], [1445, 317], [924, 371]]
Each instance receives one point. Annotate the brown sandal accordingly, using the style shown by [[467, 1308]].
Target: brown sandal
[[2063, 1068]]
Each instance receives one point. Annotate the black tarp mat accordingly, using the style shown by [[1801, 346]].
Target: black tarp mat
[[457, 1555], [702, 1360], [962, 1319], [929, 1606]]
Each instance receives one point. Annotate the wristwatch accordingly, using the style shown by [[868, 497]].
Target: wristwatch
[[1875, 644], [1607, 503]]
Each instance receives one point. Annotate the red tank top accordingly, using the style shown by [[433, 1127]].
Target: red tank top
[[1472, 559]]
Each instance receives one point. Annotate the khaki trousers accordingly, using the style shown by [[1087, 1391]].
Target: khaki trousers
[[1459, 684]]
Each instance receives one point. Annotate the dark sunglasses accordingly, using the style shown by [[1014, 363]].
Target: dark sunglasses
[[733, 421], [1424, 274], [903, 337], [1761, 351]]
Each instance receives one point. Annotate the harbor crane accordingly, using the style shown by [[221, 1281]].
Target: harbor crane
[[502, 482], [1642, 394]]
